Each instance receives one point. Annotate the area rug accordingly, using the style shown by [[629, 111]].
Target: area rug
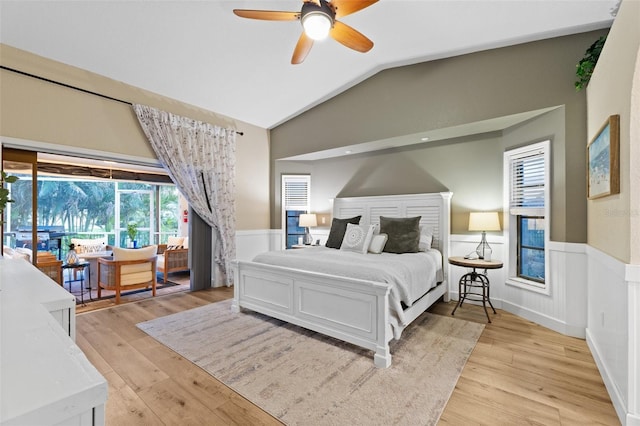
[[304, 378]]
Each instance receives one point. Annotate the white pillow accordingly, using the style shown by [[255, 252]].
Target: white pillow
[[377, 243], [426, 238], [376, 229], [134, 254], [357, 238], [25, 252], [93, 245], [10, 253], [185, 243], [175, 242]]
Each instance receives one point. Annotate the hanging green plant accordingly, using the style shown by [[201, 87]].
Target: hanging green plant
[[585, 67]]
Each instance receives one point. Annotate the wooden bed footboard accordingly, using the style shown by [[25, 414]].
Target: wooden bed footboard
[[352, 310]]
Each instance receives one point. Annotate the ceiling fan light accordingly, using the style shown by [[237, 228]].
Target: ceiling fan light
[[316, 25]]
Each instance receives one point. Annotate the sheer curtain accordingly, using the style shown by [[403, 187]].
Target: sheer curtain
[[200, 158]]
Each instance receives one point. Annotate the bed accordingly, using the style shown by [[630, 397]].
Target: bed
[[364, 310]]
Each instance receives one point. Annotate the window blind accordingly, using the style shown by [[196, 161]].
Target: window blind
[[296, 192], [527, 184]]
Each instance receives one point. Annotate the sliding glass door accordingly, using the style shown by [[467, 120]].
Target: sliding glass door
[[55, 200], [19, 223]]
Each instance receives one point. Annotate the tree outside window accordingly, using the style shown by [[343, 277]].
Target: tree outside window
[[87, 208]]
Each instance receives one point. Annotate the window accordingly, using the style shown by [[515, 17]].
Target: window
[[295, 200], [531, 248], [527, 203]]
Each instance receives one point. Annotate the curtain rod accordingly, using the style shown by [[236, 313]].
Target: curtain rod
[[72, 87]]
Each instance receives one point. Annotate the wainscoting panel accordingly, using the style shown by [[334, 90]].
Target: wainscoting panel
[[632, 277], [564, 310], [249, 243], [612, 329], [253, 242]]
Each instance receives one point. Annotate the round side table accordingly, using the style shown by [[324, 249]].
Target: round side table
[[474, 281]]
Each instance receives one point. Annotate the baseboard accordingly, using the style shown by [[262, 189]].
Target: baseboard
[[614, 392], [544, 320], [531, 315]]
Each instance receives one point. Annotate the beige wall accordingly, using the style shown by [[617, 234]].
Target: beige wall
[[452, 92], [35, 110], [615, 218], [634, 166]]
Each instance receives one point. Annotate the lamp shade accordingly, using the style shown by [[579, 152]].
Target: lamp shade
[[308, 219], [484, 221]]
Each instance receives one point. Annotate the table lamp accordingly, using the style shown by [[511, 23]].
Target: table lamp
[[307, 220], [484, 221]]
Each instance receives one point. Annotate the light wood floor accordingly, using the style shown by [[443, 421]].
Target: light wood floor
[[519, 373]]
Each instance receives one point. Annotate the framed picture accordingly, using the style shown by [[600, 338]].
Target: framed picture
[[603, 160]]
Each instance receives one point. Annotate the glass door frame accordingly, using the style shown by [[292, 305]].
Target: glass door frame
[[27, 157], [152, 201]]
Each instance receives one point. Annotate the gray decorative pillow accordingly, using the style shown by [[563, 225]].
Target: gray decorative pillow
[[403, 234], [338, 228], [357, 238]]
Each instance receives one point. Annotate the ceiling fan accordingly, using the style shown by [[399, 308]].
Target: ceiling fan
[[319, 19]]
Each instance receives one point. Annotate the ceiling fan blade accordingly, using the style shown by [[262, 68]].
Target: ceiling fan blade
[[302, 49], [347, 7], [350, 37], [267, 15]]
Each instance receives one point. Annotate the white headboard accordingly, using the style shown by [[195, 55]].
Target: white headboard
[[434, 209]]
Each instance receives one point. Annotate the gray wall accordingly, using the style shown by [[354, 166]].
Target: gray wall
[[470, 167], [446, 93]]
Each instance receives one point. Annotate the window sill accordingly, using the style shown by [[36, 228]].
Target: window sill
[[536, 287]]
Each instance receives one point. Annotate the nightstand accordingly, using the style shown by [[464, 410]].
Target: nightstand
[[474, 281]]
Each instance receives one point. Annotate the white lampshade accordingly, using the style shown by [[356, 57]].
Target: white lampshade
[[484, 221], [316, 25], [308, 219]]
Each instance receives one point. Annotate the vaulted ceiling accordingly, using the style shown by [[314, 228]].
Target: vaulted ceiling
[[200, 53]]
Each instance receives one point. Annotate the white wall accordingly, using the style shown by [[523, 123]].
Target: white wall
[[251, 243]]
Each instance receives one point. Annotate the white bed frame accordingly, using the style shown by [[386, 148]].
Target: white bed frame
[[352, 310]]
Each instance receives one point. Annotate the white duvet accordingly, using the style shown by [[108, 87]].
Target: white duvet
[[411, 275]]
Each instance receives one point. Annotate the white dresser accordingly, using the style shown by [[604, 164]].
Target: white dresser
[[45, 379]]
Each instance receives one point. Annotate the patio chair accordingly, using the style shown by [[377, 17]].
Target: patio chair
[[50, 266], [173, 256], [129, 269]]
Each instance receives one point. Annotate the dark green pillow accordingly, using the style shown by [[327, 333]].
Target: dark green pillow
[[403, 234], [338, 228]]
